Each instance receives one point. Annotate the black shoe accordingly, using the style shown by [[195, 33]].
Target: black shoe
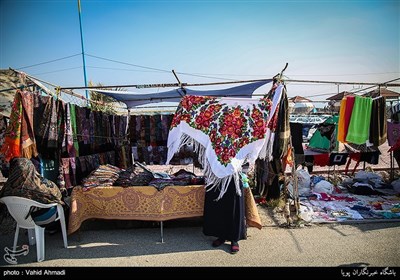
[[234, 247], [218, 242]]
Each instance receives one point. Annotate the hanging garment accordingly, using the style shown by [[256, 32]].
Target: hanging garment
[[39, 118], [341, 135], [66, 172], [297, 137], [166, 124], [158, 123], [153, 131], [4, 165], [324, 138], [135, 153], [146, 129], [132, 129], [281, 142], [393, 132], [226, 132], [60, 128], [309, 162], [378, 129], [156, 155], [111, 157], [74, 130], [326, 129], [347, 114], [68, 139], [395, 112], [353, 156], [51, 132], [19, 138], [370, 157], [358, 132], [28, 142], [12, 138], [163, 154]]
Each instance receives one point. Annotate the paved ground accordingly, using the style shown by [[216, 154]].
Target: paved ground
[[111, 243]]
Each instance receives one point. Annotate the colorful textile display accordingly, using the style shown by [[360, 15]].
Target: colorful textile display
[[19, 139], [226, 133], [358, 132]]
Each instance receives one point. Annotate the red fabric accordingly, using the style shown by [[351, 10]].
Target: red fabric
[[321, 160], [356, 157], [347, 113], [396, 146]]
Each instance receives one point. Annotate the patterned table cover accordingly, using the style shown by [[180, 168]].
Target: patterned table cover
[[145, 203]]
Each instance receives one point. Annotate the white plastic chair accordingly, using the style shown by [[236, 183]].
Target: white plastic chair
[[19, 208]]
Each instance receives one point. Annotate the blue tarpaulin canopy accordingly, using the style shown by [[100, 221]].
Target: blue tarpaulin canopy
[[133, 99]]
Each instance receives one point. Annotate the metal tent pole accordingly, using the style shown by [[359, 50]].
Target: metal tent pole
[[83, 50]]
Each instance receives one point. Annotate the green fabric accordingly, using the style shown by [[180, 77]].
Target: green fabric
[[318, 141], [358, 132], [74, 130]]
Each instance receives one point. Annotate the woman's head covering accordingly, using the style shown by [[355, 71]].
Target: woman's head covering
[[25, 181]]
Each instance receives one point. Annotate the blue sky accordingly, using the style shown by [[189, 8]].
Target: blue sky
[[228, 40]]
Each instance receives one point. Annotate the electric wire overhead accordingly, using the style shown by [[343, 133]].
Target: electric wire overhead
[[50, 61]]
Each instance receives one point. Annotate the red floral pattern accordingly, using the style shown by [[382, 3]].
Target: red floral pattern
[[229, 127]]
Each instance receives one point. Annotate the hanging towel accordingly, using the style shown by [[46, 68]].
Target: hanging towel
[[74, 129], [378, 128], [358, 132], [341, 125], [347, 114]]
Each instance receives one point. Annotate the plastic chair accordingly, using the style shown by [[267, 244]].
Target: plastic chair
[[19, 208]]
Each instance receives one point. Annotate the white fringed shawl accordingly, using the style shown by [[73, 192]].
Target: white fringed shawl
[[225, 132]]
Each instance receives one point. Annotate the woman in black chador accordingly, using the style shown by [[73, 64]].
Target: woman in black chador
[[225, 218]]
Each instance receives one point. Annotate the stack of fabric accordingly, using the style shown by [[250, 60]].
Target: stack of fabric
[[104, 175], [134, 178]]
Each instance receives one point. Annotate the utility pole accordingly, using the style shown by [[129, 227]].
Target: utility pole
[[83, 51]]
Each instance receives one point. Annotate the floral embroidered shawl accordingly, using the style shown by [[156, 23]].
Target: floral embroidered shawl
[[226, 133]]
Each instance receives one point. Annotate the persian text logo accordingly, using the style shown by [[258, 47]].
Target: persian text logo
[[10, 255]]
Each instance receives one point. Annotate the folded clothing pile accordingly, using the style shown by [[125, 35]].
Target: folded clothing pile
[[104, 175]]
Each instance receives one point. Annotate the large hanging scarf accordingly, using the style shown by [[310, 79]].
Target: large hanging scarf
[[226, 133], [19, 136]]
